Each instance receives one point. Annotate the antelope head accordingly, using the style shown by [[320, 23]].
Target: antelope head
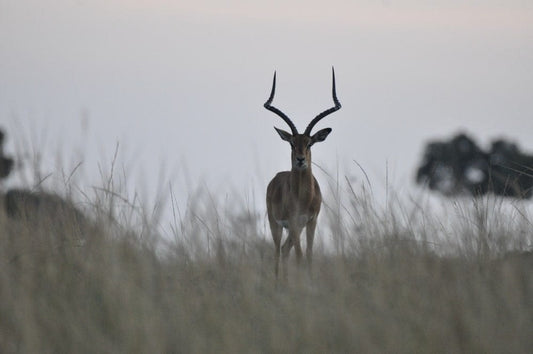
[[301, 143]]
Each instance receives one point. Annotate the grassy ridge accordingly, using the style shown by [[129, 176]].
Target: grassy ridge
[[384, 287]]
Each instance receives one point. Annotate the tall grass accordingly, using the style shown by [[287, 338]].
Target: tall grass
[[400, 279]]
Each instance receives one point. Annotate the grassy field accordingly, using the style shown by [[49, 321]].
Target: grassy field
[[397, 280]]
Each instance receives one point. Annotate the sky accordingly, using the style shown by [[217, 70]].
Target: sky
[[180, 86]]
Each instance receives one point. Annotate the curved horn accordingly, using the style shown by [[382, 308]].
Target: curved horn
[[326, 112], [277, 111]]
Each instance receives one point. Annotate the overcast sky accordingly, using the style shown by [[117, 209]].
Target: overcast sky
[[181, 85]]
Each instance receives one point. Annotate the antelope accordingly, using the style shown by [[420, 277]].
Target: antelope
[[293, 197]]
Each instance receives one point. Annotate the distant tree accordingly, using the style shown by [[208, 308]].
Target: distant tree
[[6, 163], [35, 206], [460, 166]]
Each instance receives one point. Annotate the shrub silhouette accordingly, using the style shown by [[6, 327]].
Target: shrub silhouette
[[460, 166]]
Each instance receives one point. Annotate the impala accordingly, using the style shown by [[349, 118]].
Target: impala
[[293, 197]]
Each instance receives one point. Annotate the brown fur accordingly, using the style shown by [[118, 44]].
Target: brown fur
[[290, 195], [293, 197]]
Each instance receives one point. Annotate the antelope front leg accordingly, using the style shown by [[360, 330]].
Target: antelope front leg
[[297, 245], [293, 240], [285, 250], [276, 236], [310, 233]]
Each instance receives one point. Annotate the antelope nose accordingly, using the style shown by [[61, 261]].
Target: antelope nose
[[300, 159]]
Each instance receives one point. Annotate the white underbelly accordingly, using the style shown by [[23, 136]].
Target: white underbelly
[[302, 221]]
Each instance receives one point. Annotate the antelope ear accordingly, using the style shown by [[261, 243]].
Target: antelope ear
[[321, 135], [284, 135]]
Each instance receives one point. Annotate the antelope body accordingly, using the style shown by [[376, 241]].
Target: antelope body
[[293, 197]]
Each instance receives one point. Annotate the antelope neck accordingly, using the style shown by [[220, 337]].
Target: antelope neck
[[302, 182]]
